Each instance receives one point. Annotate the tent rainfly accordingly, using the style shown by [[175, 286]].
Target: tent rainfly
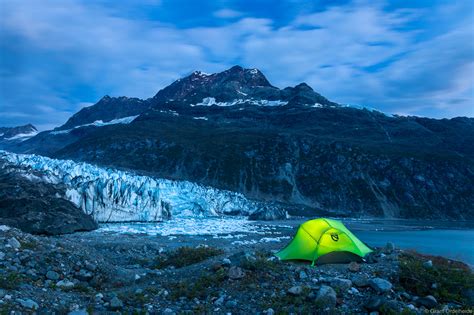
[[324, 241]]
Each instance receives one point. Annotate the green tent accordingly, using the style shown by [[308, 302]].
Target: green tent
[[324, 241]]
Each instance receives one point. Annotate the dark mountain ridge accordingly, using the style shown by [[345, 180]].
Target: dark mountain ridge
[[107, 109], [234, 130], [11, 136], [9, 132]]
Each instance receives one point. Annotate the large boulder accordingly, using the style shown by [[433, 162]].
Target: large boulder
[[37, 207], [326, 297], [380, 285]]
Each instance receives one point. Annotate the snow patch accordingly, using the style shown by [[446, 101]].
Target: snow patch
[[210, 101], [201, 73], [23, 136], [99, 123], [370, 109], [170, 112], [202, 118]]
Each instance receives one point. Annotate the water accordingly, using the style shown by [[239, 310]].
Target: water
[[454, 244], [424, 237]]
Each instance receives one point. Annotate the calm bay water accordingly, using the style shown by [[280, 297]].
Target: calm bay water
[[454, 244]]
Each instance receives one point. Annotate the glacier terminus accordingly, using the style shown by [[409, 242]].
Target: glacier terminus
[[111, 195]]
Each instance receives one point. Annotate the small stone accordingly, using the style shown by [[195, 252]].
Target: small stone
[[242, 258], [380, 285], [360, 281], [303, 275], [231, 304], [99, 297], [236, 273], [371, 258], [64, 284], [353, 291], [116, 303], [392, 306], [405, 296], [138, 291], [90, 266], [389, 248], [220, 300], [168, 311], [137, 277], [428, 301], [84, 275], [326, 297], [226, 262], [78, 312], [216, 267], [2, 255], [52, 275], [428, 264], [269, 311], [341, 284], [374, 303], [28, 303], [295, 290], [353, 267], [13, 242]]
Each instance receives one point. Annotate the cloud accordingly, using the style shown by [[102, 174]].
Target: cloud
[[227, 13], [57, 56]]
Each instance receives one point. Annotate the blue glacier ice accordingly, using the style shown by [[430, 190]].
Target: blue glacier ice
[[111, 195]]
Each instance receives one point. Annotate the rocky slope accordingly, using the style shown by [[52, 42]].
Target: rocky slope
[[95, 273], [106, 110], [35, 206], [13, 135], [235, 131]]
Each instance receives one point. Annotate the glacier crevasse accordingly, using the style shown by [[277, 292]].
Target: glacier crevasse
[[111, 195]]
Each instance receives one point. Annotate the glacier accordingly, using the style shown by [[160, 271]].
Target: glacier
[[111, 195]]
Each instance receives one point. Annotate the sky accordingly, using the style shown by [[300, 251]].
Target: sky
[[399, 57]]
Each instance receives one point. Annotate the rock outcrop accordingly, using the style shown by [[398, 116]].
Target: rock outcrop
[[38, 207]]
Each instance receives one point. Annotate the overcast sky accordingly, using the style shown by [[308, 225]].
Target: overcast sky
[[403, 57]]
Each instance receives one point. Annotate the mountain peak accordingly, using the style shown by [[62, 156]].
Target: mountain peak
[[199, 74], [303, 86], [20, 133], [105, 98], [230, 84]]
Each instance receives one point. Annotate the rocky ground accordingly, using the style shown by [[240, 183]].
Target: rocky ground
[[100, 273]]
